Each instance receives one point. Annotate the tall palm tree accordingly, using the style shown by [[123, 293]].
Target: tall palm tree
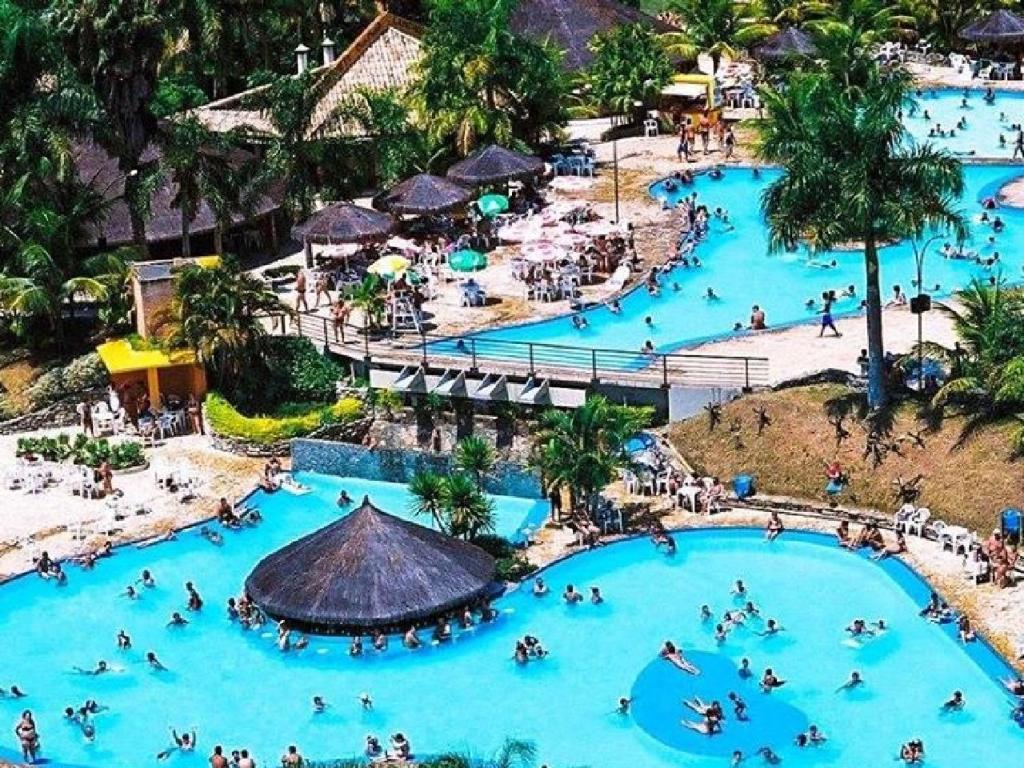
[[582, 449], [847, 34], [428, 496], [198, 162], [475, 455], [116, 47], [218, 313], [629, 65], [849, 175], [718, 28]]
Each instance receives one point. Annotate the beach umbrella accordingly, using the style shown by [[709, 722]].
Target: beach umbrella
[[541, 251], [492, 205], [786, 43], [389, 266], [467, 261], [425, 194], [344, 223], [1000, 26], [493, 165]]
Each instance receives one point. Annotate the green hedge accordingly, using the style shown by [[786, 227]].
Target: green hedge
[[290, 420]]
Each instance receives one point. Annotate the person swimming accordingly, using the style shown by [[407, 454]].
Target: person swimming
[[185, 743], [671, 654], [770, 681], [596, 598], [579, 322], [710, 295], [571, 596], [124, 641], [101, 668], [769, 756], [954, 703], [344, 500], [771, 627], [540, 589], [745, 671], [154, 662], [177, 620], [855, 681], [623, 707], [319, 705], [739, 707]]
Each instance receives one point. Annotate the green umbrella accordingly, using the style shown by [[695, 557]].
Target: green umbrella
[[492, 205], [467, 261]]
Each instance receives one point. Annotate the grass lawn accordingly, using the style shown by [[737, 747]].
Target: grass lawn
[[968, 485]]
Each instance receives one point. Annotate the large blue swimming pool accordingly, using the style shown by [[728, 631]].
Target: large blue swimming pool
[[737, 265], [238, 690]]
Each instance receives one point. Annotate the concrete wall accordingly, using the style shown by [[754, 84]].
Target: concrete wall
[[395, 465]]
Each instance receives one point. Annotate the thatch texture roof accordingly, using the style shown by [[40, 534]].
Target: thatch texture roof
[[425, 194], [382, 57], [493, 164], [1000, 26], [786, 43], [369, 570], [344, 223], [569, 25], [99, 170]]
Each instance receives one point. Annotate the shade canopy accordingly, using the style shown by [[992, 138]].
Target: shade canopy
[[1000, 26], [369, 570], [345, 223], [389, 266], [492, 205], [467, 261], [425, 194], [494, 164], [787, 43]]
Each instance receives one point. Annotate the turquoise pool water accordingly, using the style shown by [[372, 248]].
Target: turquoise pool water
[[238, 690], [985, 122]]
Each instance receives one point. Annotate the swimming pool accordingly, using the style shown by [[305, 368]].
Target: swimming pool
[[737, 265], [985, 122], [239, 690], [513, 515]]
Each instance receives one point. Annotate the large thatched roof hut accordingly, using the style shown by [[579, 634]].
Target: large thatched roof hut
[[369, 570]]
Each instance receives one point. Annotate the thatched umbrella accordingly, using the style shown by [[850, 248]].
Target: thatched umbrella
[[1000, 26], [787, 43], [344, 223], [366, 571], [1000, 29], [494, 164], [425, 194]]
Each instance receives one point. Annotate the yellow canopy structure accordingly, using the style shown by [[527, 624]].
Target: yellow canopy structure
[[692, 86], [120, 357]]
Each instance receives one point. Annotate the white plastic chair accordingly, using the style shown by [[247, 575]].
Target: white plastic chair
[[650, 127], [916, 525]]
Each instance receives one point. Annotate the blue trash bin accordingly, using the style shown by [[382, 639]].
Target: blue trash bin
[[743, 486], [1010, 519]]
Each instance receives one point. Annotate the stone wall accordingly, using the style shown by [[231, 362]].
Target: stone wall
[[352, 432], [59, 414], [399, 465]]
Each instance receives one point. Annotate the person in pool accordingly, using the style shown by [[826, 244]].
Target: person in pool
[[186, 742], [614, 307], [623, 707], [855, 681], [954, 703], [101, 668], [671, 654], [710, 295], [739, 706], [744, 671], [774, 528], [571, 596], [769, 756], [344, 500], [540, 589], [411, 639], [154, 662], [771, 627], [579, 322], [770, 681], [912, 752]]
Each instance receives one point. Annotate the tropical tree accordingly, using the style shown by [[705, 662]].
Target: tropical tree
[[629, 65], [583, 449], [478, 82], [942, 20], [199, 163], [368, 296], [986, 366], [717, 27], [427, 490], [475, 456], [850, 176], [116, 47], [453, 502], [846, 36], [218, 313], [514, 753]]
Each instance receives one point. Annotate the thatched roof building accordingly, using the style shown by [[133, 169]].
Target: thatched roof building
[[366, 571], [382, 57], [570, 25], [99, 170]]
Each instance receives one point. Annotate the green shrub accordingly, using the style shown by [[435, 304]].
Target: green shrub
[[312, 375], [290, 370], [83, 450], [494, 545], [82, 373], [226, 420], [514, 568]]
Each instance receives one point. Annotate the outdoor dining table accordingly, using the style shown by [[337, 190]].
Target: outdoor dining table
[[542, 251]]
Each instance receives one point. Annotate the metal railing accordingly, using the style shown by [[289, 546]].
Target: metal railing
[[529, 358]]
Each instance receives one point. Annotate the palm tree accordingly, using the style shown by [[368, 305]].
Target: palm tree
[[475, 455], [198, 162], [629, 65], [368, 296], [469, 511], [848, 33], [218, 312], [986, 367], [716, 27], [116, 48], [514, 753], [428, 494], [849, 175], [582, 449]]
